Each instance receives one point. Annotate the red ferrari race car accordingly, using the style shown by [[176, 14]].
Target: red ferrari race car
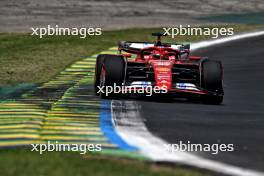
[[159, 65]]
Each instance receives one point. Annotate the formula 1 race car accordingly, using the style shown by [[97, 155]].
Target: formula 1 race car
[[164, 65]]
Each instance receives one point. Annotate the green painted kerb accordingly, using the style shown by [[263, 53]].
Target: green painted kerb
[[63, 109]]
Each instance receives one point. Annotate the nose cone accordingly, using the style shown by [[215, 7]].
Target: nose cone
[[163, 74]]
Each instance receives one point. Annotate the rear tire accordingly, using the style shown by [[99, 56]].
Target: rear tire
[[211, 80], [114, 69]]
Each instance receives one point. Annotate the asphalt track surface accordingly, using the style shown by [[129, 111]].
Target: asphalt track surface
[[239, 120]]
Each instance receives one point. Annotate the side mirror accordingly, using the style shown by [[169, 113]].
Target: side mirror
[[122, 44], [187, 46]]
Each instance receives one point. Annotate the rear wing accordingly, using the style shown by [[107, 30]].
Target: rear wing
[[135, 47]]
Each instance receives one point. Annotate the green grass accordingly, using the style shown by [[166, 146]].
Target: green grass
[[27, 163], [29, 59]]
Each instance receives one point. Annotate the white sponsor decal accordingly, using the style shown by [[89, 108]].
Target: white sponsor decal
[[140, 84], [141, 45], [186, 86]]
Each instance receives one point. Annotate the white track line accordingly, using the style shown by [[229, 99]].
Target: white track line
[[131, 127], [204, 44]]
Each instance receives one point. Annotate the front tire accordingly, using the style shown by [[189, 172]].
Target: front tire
[[211, 80], [212, 99], [112, 74], [98, 67]]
